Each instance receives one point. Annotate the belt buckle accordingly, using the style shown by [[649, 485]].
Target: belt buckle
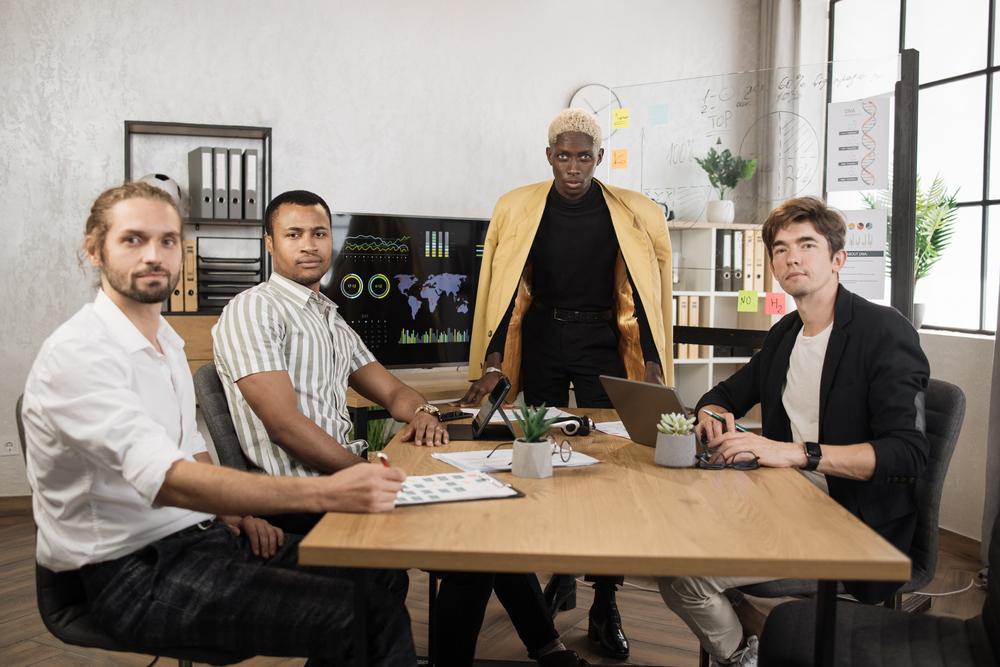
[[557, 318]]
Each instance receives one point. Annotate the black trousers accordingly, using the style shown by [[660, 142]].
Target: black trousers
[[205, 588], [461, 606], [555, 354]]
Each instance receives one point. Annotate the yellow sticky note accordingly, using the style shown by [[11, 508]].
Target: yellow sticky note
[[619, 118], [619, 158], [746, 301]]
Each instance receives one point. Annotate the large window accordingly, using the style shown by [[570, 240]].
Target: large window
[[957, 135]]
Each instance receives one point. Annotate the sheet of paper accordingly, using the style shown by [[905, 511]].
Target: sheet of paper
[[550, 413], [864, 271], [857, 154], [612, 428], [500, 460], [451, 487]]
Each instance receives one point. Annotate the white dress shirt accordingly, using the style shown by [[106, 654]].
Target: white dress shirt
[[281, 325], [105, 417]]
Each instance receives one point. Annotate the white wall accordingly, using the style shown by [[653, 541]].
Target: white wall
[[430, 107], [966, 361]]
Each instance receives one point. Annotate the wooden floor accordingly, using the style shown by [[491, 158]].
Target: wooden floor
[[657, 636]]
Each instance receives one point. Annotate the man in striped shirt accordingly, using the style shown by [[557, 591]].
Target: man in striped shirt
[[286, 358]]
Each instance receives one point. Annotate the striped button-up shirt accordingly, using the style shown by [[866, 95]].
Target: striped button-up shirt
[[280, 325]]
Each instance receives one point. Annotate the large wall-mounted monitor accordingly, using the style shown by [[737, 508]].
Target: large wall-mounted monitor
[[407, 284]]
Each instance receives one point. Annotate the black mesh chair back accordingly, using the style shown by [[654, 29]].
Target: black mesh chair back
[[215, 409]]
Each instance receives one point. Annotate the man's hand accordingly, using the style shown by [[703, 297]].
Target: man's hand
[[479, 389], [265, 539], [654, 373], [735, 446], [425, 429], [361, 488]]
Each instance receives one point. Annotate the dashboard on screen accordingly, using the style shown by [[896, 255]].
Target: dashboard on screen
[[407, 284]]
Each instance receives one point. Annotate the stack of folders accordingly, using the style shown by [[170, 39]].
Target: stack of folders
[[739, 265], [226, 267], [224, 184], [687, 313]]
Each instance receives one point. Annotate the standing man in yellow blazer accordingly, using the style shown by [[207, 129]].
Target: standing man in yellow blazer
[[575, 283]]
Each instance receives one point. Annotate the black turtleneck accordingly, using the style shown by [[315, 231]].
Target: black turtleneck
[[573, 260]]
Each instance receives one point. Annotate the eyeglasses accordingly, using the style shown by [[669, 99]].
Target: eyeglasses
[[563, 449], [738, 461]]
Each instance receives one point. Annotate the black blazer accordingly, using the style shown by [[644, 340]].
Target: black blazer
[[872, 390]]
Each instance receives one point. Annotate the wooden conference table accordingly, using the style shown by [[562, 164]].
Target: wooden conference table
[[627, 516]]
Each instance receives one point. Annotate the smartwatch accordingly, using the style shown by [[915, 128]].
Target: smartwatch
[[813, 455]]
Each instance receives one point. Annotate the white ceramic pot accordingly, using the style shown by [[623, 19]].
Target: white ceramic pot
[[721, 212], [532, 459], [918, 315], [676, 451]]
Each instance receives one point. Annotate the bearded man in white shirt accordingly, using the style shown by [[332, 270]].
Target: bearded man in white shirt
[[124, 492]]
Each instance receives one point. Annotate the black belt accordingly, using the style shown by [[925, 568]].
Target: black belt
[[566, 315]]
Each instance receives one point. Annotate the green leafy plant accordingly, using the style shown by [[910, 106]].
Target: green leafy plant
[[379, 434], [726, 170], [674, 423], [533, 423], [934, 226]]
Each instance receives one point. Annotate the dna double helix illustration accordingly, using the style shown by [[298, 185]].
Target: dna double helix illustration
[[868, 159]]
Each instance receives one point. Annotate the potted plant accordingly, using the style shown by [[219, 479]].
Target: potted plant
[[934, 227], [675, 442], [532, 455], [379, 434], [725, 171]]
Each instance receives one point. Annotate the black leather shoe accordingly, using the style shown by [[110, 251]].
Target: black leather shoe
[[560, 593], [608, 633], [562, 659]]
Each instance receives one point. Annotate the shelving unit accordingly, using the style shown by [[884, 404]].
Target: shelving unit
[[694, 252], [162, 147]]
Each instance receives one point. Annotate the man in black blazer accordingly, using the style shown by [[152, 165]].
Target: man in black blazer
[[841, 385]]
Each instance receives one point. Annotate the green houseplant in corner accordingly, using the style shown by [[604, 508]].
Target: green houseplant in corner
[[532, 455], [675, 442], [725, 171], [934, 228]]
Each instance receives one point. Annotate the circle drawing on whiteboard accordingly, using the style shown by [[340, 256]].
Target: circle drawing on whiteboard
[[378, 285], [793, 159], [352, 286]]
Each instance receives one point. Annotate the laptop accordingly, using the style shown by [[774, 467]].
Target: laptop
[[640, 404]]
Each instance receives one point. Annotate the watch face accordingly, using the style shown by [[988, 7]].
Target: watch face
[[599, 100]]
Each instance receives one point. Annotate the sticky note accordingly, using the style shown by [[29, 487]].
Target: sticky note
[[619, 158], [619, 118], [746, 301], [774, 303], [658, 114]]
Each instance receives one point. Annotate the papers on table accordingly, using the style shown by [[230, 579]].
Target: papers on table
[[612, 428], [551, 413], [500, 460], [452, 487]]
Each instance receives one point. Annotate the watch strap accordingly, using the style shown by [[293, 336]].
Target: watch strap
[[814, 453], [428, 408], [493, 369]]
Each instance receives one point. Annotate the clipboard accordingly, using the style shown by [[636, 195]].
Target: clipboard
[[451, 487]]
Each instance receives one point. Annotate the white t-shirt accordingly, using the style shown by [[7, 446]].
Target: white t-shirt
[[105, 417], [801, 393]]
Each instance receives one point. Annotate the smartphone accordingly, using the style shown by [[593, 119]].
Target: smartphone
[[452, 416]]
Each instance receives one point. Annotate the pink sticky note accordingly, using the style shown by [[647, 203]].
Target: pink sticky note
[[774, 303]]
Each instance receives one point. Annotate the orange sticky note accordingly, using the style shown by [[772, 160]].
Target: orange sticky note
[[619, 118], [619, 158], [774, 303], [746, 301]]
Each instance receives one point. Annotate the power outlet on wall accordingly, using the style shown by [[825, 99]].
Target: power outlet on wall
[[8, 449]]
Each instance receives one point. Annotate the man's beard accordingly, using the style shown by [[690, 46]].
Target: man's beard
[[129, 285]]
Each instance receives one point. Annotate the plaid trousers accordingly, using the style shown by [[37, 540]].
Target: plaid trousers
[[206, 589]]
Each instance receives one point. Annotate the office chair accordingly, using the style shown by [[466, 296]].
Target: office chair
[[62, 604], [215, 408], [945, 411], [879, 637]]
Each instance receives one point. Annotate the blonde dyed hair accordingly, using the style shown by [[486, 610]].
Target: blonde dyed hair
[[98, 222], [575, 120]]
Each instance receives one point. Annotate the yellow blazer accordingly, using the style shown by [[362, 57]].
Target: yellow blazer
[[644, 248]]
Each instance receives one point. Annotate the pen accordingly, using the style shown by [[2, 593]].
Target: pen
[[384, 459], [722, 419]]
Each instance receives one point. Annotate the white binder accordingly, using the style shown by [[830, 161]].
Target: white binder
[[220, 205], [251, 188]]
